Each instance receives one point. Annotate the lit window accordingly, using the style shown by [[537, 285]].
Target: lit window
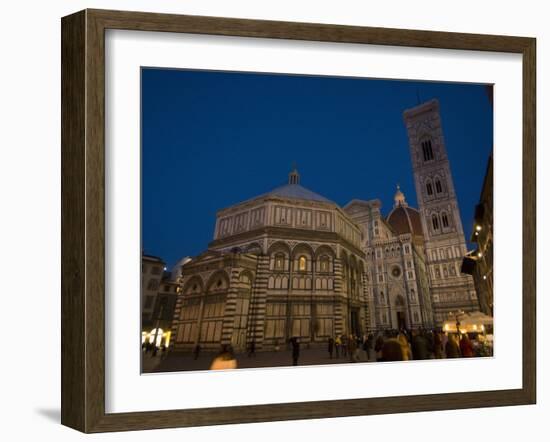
[[302, 263], [279, 262], [324, 264]]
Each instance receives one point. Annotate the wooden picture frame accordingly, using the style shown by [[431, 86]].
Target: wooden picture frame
[[83, 220]]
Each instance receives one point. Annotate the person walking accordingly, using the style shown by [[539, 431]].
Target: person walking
[[330, 346], [405, 348], [352, 349], [444, 341], [197, 351], [252, 349], [365, 347], [378, 346], [370, 345], [438, 345], [295, 350], [338, 346], [344, 339], [466, 346]]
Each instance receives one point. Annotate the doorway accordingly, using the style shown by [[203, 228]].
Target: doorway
[[401, 322], [355, 327]]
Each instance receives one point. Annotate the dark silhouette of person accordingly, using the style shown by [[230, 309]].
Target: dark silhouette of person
[[295, 350], [330, 346], [197, 351], [252, 349], [466, 347]]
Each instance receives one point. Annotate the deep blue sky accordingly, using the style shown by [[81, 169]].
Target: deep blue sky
[[213, 139]]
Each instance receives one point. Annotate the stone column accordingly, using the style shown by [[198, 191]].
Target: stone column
[[256, 309]]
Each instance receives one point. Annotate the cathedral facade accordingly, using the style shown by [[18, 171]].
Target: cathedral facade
[[291, 263]]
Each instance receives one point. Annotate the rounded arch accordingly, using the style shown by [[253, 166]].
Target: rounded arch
[[303, 249], [438, 184], [444, 219], [279, 256], [429, 187], [435, 221], [218, 281], [246, 277], [399, 301], [324, 250], [302, 257], [253, 248], [194, 285], [279, 246], [426, 146]]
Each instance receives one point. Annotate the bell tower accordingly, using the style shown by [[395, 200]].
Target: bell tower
[[437, 202]]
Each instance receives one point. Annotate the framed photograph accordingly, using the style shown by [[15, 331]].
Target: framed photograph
[[267, 221]]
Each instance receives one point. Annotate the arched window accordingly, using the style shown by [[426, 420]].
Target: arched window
[[427, 150], [302, 263], [435, 222], [429, 189], [438, 187], [279, 261], [444, 220]]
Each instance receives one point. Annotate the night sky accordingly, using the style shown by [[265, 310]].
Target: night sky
[[213, 139]]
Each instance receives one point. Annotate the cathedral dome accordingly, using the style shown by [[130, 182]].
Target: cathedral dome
[[296, 191], [404, 219]]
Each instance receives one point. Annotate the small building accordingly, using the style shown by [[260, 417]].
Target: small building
[[159, 329], [479, 262], [152, 270]]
